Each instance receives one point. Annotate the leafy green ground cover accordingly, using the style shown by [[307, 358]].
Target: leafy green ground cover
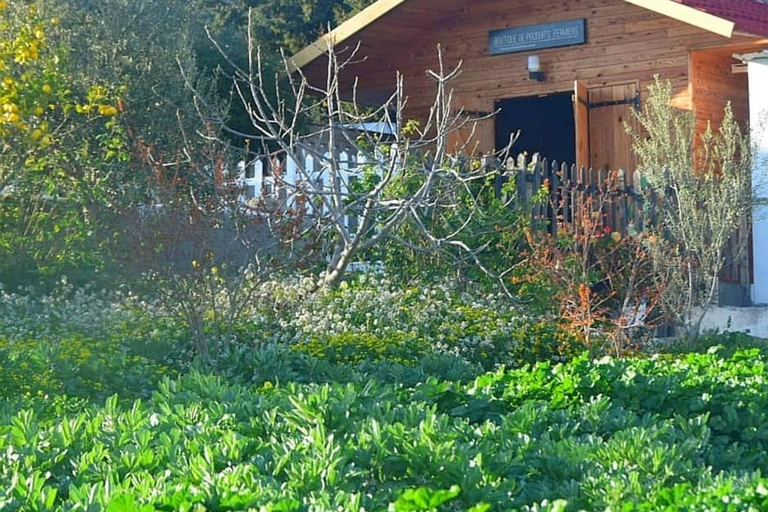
[[687, 433]]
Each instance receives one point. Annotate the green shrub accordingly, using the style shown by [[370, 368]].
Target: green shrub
[[275, 363], [725, 343], [354, 348], [78, 366], [373, 318]]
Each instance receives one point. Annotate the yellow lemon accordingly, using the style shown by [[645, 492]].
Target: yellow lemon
[[107, 110]]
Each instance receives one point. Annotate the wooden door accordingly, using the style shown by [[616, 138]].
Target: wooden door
[[610, 111], [582, 120]]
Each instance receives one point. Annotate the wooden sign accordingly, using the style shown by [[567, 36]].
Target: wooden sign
[[536, 37]]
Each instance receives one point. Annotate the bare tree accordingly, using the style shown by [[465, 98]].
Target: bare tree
[[406, 177]]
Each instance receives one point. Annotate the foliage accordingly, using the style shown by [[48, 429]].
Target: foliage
[[221, 320], [147, 49], [702, 189], [79, 366], [611, 434], [97, 118], [602, 280], [278, 27], [85, 343], [355, 348], [210, 300], [373, 318], [287, 24], [62, 149], [486, 218], [725, 343]]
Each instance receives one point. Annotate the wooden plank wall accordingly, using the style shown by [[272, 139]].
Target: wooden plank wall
[[713, 84], [625, 44]]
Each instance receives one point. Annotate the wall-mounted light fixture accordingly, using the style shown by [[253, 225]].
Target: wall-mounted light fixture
[[534, 69]]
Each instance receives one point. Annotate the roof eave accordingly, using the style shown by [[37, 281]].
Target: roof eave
[[370, 14], [343, 32], [690, 15]]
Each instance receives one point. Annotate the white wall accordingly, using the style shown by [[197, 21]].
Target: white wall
[[751, 320], [758, 115]]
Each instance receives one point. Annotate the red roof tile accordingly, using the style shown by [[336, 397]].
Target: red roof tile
[[749, 15]]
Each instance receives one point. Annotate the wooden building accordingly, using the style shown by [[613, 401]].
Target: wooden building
[[596, 59], [565, 73]]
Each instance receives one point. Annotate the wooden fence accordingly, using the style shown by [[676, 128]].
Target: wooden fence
[[619, 196], [568, 188]]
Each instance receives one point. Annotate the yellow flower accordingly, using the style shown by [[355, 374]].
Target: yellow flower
[[37, 134], [55, 21], [39, 111], [616, 236], [3, 4], [47, 89]]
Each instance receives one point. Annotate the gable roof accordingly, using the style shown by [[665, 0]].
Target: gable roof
[[721, 17], [750, 16]]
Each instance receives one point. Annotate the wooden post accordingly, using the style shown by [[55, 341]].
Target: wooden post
[[536, 182]]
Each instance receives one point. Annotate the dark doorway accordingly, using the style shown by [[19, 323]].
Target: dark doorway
[[546, 125]]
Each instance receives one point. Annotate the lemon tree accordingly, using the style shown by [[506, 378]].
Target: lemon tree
[[61, 149]]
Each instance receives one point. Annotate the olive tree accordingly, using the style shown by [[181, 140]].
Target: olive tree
[[702, 186]]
